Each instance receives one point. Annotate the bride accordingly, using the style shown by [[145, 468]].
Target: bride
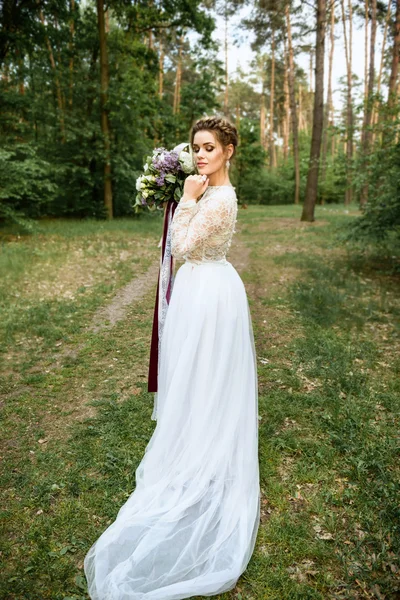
[[189, 528]]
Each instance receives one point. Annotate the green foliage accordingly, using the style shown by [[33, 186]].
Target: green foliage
[[332, 180], [28, 186], [53, 159], [248, 162], [380, 221], [256, 182], [269, 187]]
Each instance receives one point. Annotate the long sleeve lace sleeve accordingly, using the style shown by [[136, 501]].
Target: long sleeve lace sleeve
[[193, 225]]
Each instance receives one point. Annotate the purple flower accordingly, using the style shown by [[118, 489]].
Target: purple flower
[[166, 162]]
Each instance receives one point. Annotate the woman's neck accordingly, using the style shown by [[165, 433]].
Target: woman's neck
[[218, 178]]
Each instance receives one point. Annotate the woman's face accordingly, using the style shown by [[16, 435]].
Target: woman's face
[[208, 153]]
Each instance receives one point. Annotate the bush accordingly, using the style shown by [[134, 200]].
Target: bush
[[27, 183], [380, 221]]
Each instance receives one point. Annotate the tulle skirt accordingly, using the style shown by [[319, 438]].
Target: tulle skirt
[[190, 526]]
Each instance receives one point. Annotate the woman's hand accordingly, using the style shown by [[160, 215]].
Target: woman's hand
[[194, 186]]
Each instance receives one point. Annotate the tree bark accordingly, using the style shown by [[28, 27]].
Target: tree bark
[[272, 154], [20, 61], [302, 125], [177, 92], [393, 87], [161, 69], [262, 113], [329, 117], [226, 65], [366, 23], [318, 116], [286, 117], [392, 90], [71, 51], [105, 122], [349, 106], [295, 133], [375, 107], [368, 115], [56, 79]]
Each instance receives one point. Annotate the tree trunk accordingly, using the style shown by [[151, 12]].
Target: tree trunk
[[161, 69], [262, 113], [368, 115], [295, 134], [279, 134], [375, 109], [177, 92], [20, 61], [329, 116], [366, 23], [272, 154], [392, 91], [71, 51], [286, 117], [56, 79], [393, 88], [301, 119], [226, 65], [105, 122], [318, 116], [349, 106]]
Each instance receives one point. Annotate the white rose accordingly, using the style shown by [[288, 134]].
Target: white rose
[[186, 161], [139, 183]]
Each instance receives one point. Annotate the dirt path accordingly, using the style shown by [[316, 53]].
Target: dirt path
[[78, 408], [108, 316]]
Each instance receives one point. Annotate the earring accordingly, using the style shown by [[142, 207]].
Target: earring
[[228, 164]]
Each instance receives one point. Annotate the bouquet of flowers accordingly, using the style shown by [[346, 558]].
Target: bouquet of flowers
[[160, 187], [163, 177]]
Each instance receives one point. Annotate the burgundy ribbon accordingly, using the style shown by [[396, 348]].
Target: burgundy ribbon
[[152, 385]]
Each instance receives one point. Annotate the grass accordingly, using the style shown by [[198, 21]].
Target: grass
[[75, 425]]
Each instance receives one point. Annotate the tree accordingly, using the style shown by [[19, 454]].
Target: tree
[[292, 98], [272, 153], [105, 121], [348, 44], [392, 88], [318, 115], [329, 115], [366, 146]]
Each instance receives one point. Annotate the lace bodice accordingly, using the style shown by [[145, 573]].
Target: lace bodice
[[202, 231]]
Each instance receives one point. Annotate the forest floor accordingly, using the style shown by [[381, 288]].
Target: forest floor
[[77, 301]]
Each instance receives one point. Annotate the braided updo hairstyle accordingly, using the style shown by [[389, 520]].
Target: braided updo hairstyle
[[225, 132]]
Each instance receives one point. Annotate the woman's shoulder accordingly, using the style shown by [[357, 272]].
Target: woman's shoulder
[[219, 192]]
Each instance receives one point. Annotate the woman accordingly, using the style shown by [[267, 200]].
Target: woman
[[190, 526]]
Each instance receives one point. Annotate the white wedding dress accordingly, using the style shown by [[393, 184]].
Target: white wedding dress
[[189, 527]]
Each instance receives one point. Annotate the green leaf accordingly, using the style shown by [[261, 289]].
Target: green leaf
[[80, 582]]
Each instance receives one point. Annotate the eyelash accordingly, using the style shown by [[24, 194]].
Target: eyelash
[[207, 149]]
